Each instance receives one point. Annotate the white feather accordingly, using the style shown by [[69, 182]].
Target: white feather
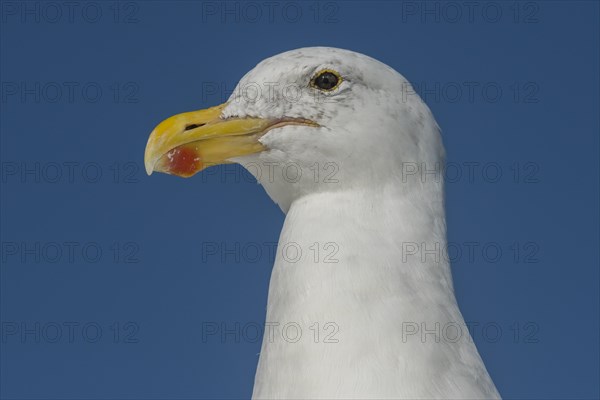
[[353, 277]]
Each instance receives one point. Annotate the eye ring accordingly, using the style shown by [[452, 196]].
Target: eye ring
[[326, 80]]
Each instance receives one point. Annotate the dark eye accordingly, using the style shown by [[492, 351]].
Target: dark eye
[[326, 80]]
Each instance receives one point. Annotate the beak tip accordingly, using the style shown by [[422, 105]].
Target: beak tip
[[149, 167]]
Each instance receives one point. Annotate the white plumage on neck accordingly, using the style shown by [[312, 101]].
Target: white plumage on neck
[[371, 295]]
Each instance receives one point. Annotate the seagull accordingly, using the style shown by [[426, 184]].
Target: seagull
[[361, 302]]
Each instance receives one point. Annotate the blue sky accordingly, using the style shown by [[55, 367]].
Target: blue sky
[[109, 278]]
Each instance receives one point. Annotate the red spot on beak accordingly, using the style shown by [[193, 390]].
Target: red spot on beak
[[183, 161]]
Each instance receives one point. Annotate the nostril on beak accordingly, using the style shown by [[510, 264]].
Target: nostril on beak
[[192, 126]]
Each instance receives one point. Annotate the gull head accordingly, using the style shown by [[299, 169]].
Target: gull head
[[307, 121]]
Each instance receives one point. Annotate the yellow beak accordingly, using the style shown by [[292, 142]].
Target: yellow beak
[[187, 143]]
